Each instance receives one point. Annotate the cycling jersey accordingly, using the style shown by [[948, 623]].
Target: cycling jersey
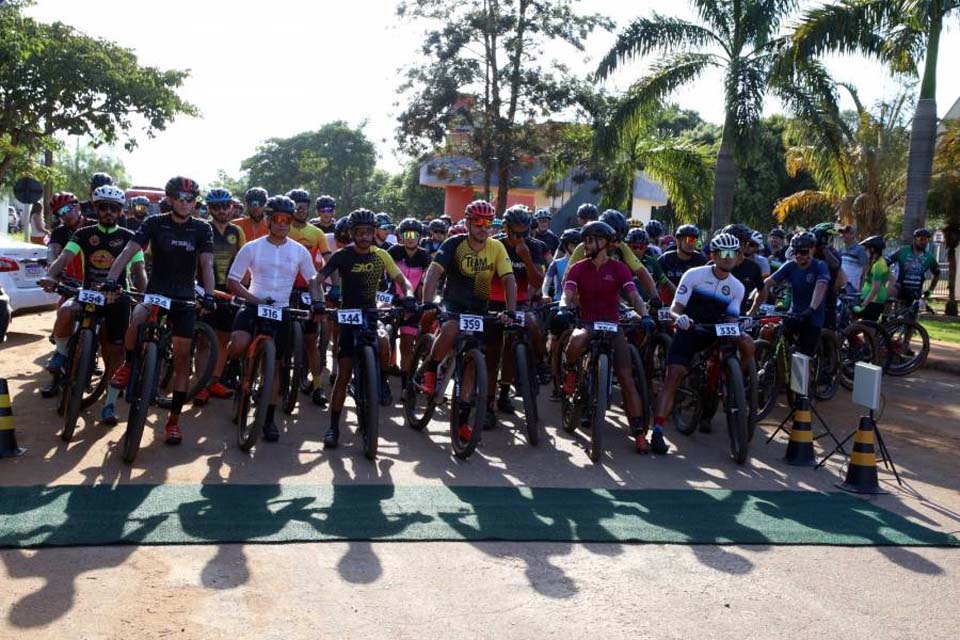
[[176, 249], [273, 268], [253, 230], [750, 276], [913, 268], [802, 283], [360, 275], [674, 266], [413, 267], [61, 236], [326, 228], [225, 248], [550, 239], [763, 263], [431, 246], [651, 264], [314, 241], [537, 255], [879, 272], [98, 248], [555, 274], [619, 253], [707, 298], [599, 288], [469, 273]]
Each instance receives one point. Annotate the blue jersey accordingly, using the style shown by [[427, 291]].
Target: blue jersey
[[802, 284], [555, 274]]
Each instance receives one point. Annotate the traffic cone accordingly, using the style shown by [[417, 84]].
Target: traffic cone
[[800, 448], [8, 439], [862, 469]]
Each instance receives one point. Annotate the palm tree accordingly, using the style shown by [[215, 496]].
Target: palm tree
[[899, 33], [741, 37], [944, 200]]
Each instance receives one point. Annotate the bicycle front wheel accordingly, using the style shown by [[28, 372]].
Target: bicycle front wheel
[[526, 386], [368, 400], [738, 413], [475, 403], [256, 391], [857, 344], [909, 346], [826, 371], [418, 408], [598, 413], [76, 384], [141, 397], [293, 370]]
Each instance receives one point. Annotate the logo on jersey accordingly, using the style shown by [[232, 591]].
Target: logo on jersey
[[725, 290], [101, 259], [117, 242], [475, 264], [809, 277], [232, 239], [94, 241], [363, 267], [185, 244], [682, 290]]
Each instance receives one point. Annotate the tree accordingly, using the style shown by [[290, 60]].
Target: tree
[[944, 201], [236, 186], [73, 169], [336, 159], [739, 37], [494, 50], [899, 33], [54, 79], [402, 195]]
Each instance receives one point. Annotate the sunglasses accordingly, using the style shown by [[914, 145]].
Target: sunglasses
[[687, 239], [108, 206], [481, 223], [409, 235], [138, 208], [65, 209], [281, 218], [727, 253], [219, 207], [638, 246], [185, 197]]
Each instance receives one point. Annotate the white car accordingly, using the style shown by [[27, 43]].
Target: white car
[[21, 265]]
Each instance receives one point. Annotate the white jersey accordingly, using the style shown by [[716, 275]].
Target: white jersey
[[707, 298], [273, 268]]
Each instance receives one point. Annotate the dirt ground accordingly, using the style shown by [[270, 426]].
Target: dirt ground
[[479, 589]]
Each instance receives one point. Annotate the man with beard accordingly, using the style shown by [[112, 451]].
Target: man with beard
[[254, 225]]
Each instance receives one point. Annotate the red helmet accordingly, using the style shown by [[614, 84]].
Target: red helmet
[[457, 229], [480, 209], [181, 184], [62, 199]]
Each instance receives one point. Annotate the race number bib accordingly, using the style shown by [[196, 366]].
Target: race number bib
[[664, 315], [384, 298], [350, 316], [91, 297], [610, 327], [269, 312], [157, 301], [471, 323], [728, 330]]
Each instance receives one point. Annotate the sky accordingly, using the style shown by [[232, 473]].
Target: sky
[[262, 70]]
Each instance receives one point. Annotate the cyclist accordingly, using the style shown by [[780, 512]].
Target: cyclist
[[137, 209], [552, 287], [824, 233], [495, 227], [315, 241], [326, 207], [254, 225], [438, 233], [706, 294], [854, 259], [809, 279], [746, 271], [543, 218], [873, 294], [639, 242], [361, 267], [413, 262], [97, 246], [384, 235], [777, 253], [654, 229], [587, 212], [65, 206], [97, 180], [595, 285], [228, 238], [686, 256], [180, 242], [753, 251], [469, 261], [616, 221], [912, 262]]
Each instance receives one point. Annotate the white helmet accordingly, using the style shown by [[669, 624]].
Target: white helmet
[[724, 241], [756, 238], [109, 193]]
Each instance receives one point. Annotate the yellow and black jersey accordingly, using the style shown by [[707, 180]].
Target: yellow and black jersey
[[225, 248], [360, 275], [470, 273]]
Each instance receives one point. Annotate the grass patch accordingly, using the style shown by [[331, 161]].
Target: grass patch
[[943, 331]]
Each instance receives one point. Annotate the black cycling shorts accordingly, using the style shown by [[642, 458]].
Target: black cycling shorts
[[181, 321], [222, 318], [246, 321], [687, 344], [116, 319]]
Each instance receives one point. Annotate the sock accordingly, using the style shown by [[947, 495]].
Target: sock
[[179, 397], [659, 422], [112, 394], [335, 420], [62, 345], [270, 409], [636, 423]]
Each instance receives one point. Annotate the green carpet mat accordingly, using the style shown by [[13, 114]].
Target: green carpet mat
[[203, 514]]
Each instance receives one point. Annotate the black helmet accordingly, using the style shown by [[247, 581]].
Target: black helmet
[[741, 232], [777, 232], [362, 218], [279, 204], [341, 230], [922, 231], [598, 229], [299, 195], [570, 236], [543, 214], [687, 230], [654, 229], [438, 226], [588, 211], [804, 240], [382, 220], [256, 194], [99, 179], [326, 203], [638, 236], [181, 184], [410, 224], [876, 243], [617, 222], [517, 215]]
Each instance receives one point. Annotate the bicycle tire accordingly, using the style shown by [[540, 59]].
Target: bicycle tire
[[415, 417], [764, 359], [526, 386], [264, 362], [62, 400], [753, 398], [571, 407], [657, 371], [478, 401], [80, 369], [293, 370], [598, 410], [201, 377], [900, 327], [367, 399], [140, 403], [688, 405], [735, 406], [858, 343], [95, 390], [643, 386], [826, 371]]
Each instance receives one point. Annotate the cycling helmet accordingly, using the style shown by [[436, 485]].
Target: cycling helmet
[[598, 229], [279, 204], [326, 203], [668, 240], [804, 240], [724, 242], [139, 203], [256, 195], [922, 231], [480, 209], [497, 223], [60, 200], [617, 222], [181, 184], [410, 224], [542, 214], [654, 229], [109, 193], [756, 238], [99, 179], [876, 243], [778, 233], [739, 231], [299, 195], [457, 230], [638, 236], [363, 218], [438, 226], [570, 236], [517, 215], [341, 231], [383, 220], [588, 211], [686, 230], [219, 195]]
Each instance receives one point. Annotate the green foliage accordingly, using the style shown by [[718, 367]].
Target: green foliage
[[73, 168], [944, 201], [402, 195], [236, 186]]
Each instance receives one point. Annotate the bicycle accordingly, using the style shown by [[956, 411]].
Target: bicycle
[[858, 340], [903, 355], [525, 374], [294, 362]]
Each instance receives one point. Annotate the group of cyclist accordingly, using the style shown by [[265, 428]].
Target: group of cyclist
[[271, 250]]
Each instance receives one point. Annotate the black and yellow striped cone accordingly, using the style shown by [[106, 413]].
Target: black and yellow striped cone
[[800, 448], [862, 469], [8, 439]]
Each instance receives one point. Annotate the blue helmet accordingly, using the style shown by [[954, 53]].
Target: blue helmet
[[543, 214], [217, 195]]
